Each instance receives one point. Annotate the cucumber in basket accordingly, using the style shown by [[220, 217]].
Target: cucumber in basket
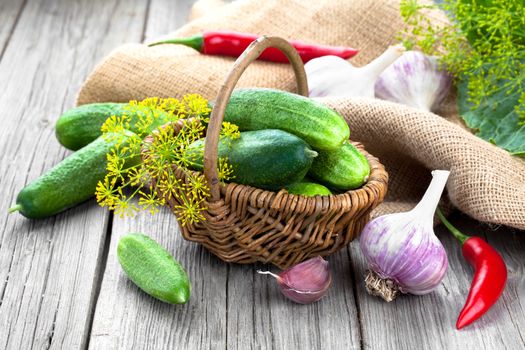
[[308, 188], [70, 182], [343, 169], [79, 126], [257, 109], [268, 159]]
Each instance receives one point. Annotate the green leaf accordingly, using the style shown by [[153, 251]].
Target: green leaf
[[495, 119]]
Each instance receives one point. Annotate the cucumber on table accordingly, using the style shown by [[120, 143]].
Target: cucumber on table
[[344, 169], [153, 269], [268, 159], [79, 126], [257, 109], [70, 182]]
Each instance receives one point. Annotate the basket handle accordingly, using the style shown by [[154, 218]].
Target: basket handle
[[249, 55]]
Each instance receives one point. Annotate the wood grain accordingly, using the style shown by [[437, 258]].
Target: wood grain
[[48, 268], [10, 11], [259, 316], [165, 16], [127, 318], [428, 322]]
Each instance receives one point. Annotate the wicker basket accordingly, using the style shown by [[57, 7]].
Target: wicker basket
[[246, 224]]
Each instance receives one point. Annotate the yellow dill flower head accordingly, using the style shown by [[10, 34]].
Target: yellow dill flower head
[[154, 180], [106, 193]]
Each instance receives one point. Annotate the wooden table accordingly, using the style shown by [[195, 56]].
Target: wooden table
[[62, 287]]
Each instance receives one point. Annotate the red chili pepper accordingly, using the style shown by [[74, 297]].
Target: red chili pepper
[[233, 44], [489, 279]]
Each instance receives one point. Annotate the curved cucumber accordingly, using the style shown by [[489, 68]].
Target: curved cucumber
[[79, 126], [153, 269], [343, 169], [70, 182], [309, 189], [257, 109], [268, 159]]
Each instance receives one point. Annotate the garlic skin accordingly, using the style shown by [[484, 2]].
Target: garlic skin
[[305, 282], [335, 76], [402, 250], [415, 80]]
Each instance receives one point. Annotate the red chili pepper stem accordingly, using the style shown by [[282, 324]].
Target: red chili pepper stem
[[455, 232], [195, 42]]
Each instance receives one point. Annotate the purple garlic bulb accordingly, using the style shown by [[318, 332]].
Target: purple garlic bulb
[[305, 282], [337, 77], [401, 249], [415, 80]]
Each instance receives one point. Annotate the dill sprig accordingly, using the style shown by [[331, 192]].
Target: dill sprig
[[154, 180], [484, 43], [484, 48]]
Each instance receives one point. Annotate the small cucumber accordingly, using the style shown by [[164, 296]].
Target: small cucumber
[[309, 189], [153, 269], [343, 169], [70, 182], [268, 159], [257, 109], [81, 125]]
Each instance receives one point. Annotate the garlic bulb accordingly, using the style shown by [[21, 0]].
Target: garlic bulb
[[305, 282], [335, 76], [402, 250], [416, 80]]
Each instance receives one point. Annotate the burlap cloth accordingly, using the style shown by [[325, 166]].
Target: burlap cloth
[[485, 182]]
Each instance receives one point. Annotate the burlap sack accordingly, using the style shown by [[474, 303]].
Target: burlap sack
[[486, 182]]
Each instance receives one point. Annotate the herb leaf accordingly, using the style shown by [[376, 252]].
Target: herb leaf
[[484, 48], [495, 118]]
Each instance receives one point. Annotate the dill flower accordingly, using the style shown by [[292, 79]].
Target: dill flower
[[154, 180]]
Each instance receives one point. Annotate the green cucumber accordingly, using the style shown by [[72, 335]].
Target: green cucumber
[[258, 109], [70, 182], [268, 159], [80, 126], [309, 189], [153, 269], [343, 169]]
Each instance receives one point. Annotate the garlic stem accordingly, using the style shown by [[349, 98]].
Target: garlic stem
[[379, 64], [269, 273], [428, 204]]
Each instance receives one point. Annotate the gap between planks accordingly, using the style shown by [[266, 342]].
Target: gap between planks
[[8, 30], [47, 266]]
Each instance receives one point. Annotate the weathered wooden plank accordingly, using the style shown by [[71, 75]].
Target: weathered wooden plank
[[48, 268], [260, 317], [127, 318], [10, 11], [428, 322], [166, 16]]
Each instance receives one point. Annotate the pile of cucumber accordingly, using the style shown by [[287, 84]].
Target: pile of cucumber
[[285, 137], [287, 141]]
